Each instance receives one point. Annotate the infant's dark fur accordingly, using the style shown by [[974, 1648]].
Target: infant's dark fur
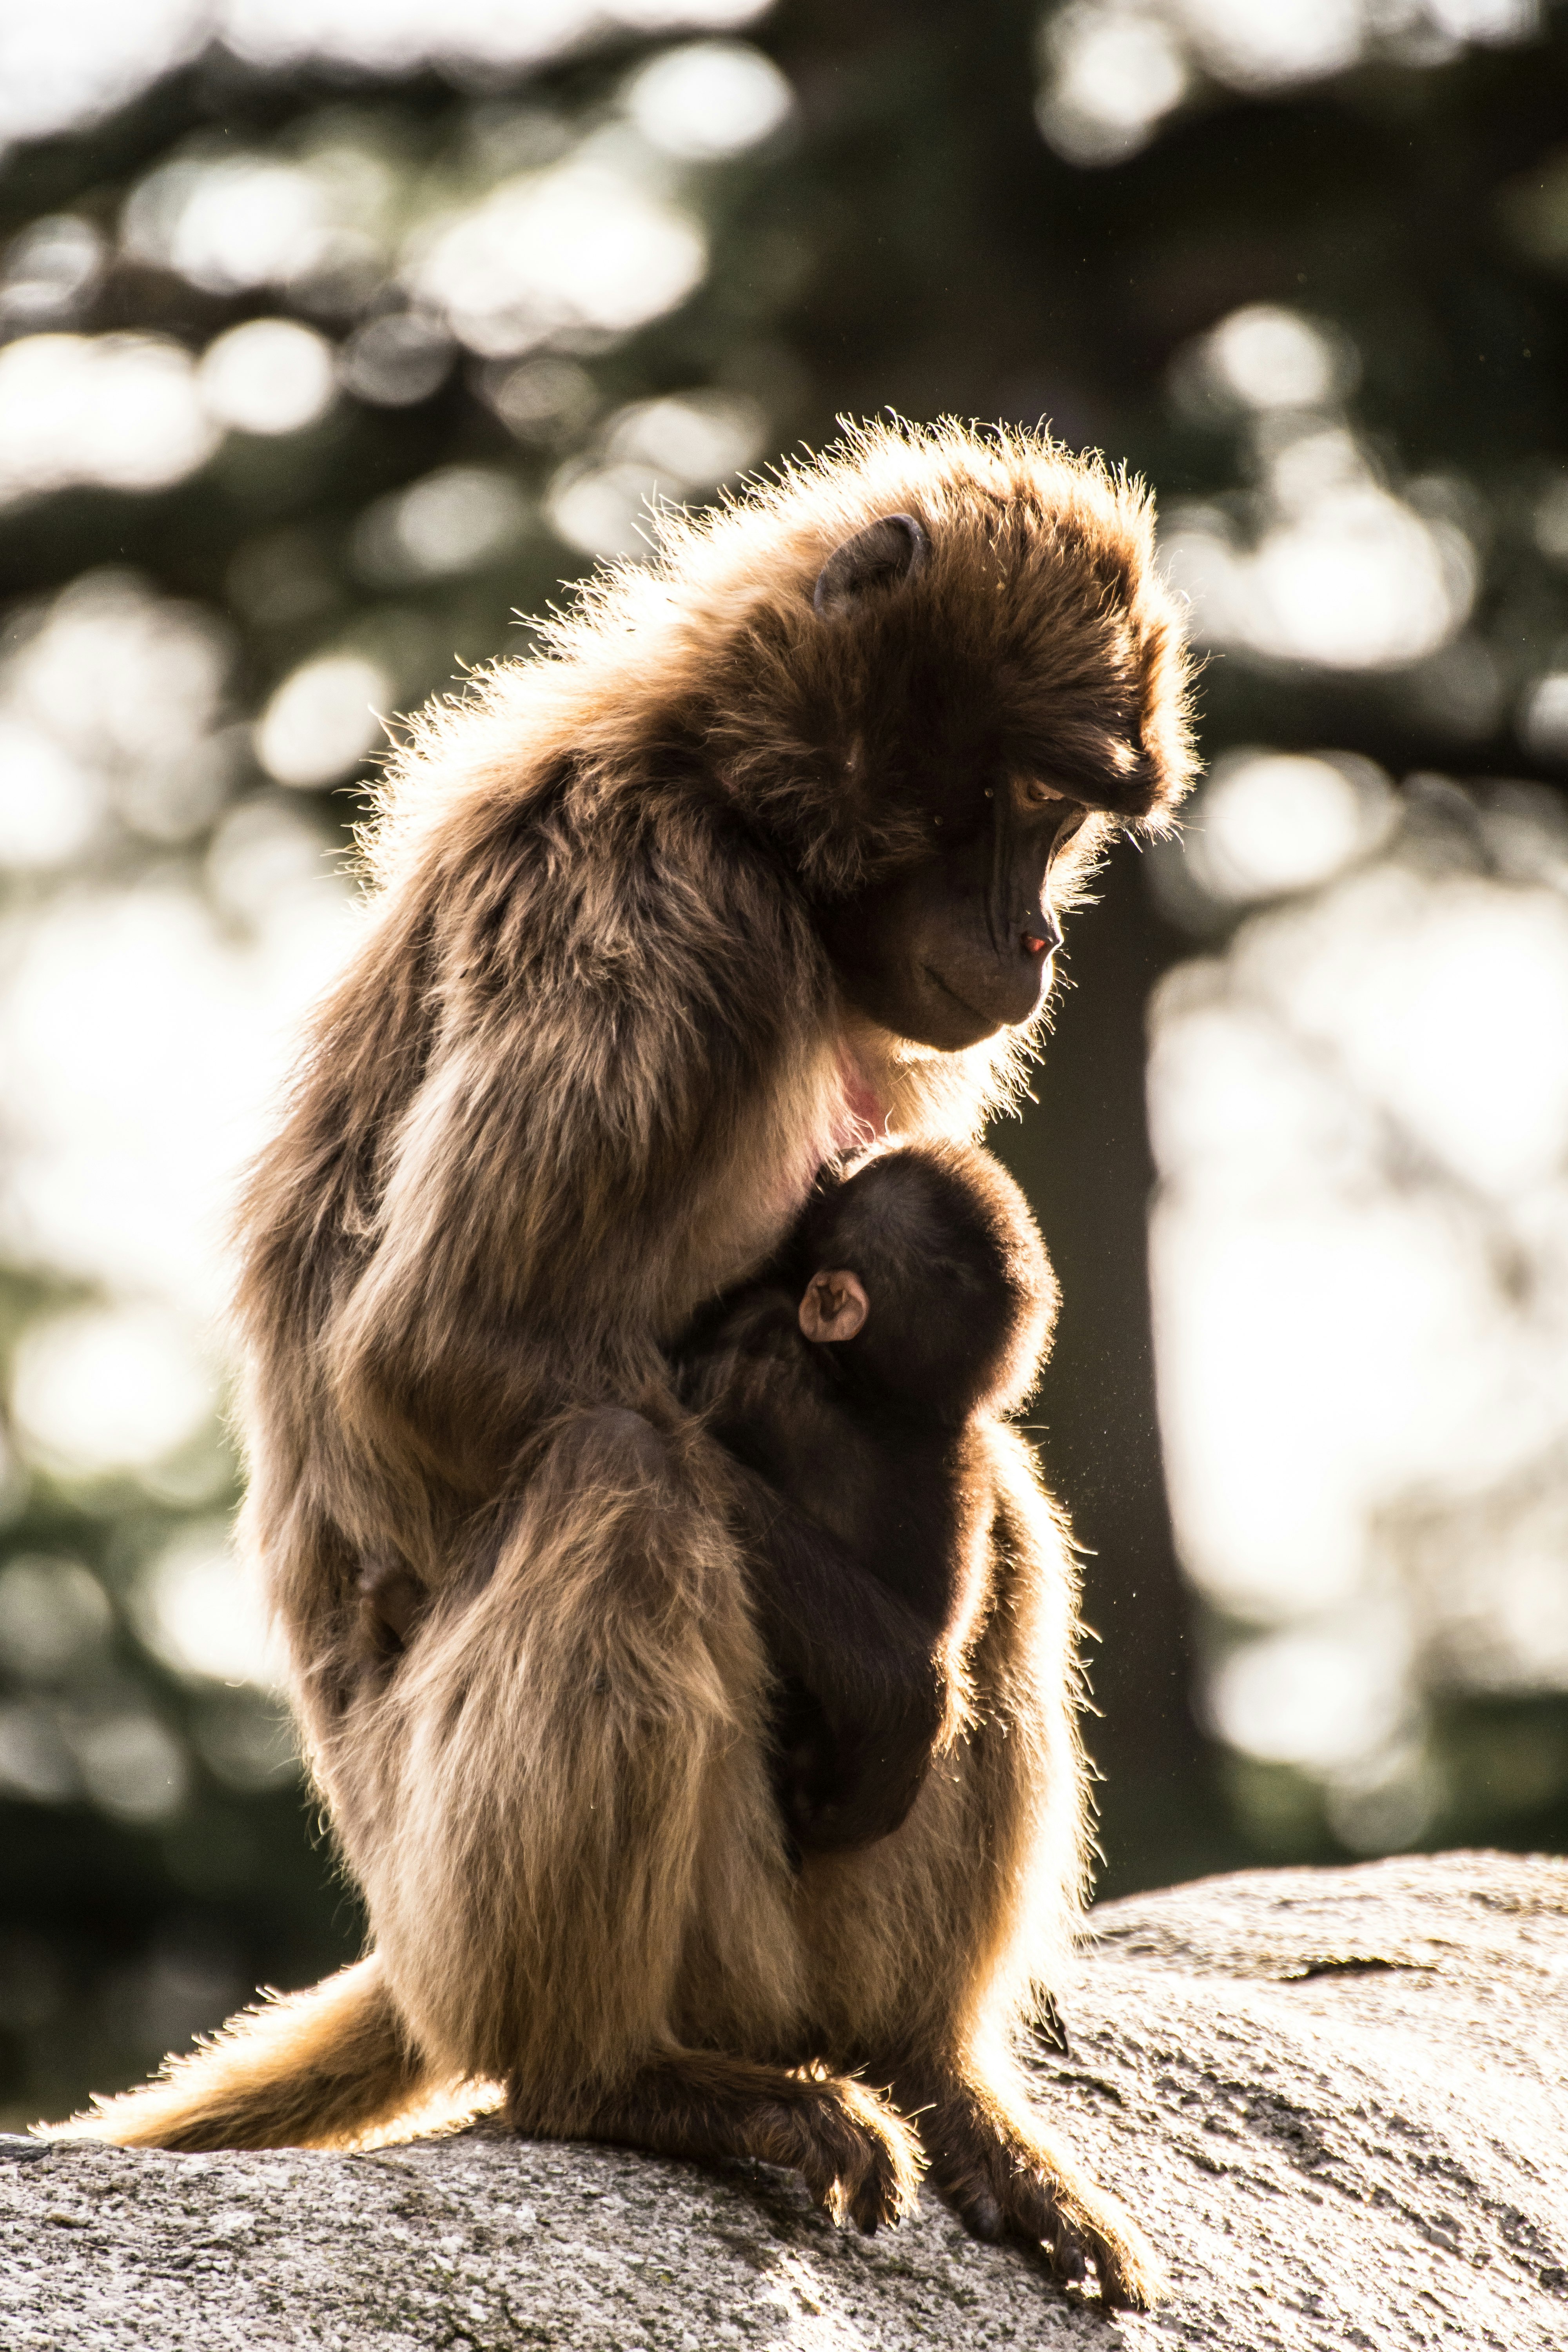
[[865, 1477]]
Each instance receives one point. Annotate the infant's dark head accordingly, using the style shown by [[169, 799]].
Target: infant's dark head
[[924, 1272]]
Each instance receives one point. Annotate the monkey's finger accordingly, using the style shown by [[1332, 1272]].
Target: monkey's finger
[[1034, 2207], [819, 2171], [1044, 2212], [1118, 2295], [1071, 2242], [866, 2192]]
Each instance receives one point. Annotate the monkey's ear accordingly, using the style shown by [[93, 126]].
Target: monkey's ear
[[835, 1307], [888, 552]]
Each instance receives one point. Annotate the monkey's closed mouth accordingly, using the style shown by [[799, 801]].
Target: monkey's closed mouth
[[931, 972], [962, 1001]]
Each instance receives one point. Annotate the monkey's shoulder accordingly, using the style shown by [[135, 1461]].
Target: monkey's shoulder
[[583, 871]]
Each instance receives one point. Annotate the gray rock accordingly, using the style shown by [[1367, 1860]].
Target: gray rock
[[1337, 2098]]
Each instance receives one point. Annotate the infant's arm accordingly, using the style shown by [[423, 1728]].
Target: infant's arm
[[863, 1687]]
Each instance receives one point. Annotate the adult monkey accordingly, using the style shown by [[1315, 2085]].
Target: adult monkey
[[753, 863]]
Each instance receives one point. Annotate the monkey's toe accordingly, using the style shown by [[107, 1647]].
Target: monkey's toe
[[858, 2159], [976, 2207], [1091, 2229], [880, 2180], [1040, 2209], [885, 2194], [1128, 2271], [1068, 2256]]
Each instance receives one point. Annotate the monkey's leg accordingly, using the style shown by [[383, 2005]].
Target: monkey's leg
[[562, 1791], [1006, 2177], [922, 1951], [858, 2158]]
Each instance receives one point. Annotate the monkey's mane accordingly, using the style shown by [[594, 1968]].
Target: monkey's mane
[[1037, 635]]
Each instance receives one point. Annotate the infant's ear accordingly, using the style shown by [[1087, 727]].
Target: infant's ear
[[835, 1307]]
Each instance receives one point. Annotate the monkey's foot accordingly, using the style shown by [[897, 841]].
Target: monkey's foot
[[860, 2160], [1005, 2178]]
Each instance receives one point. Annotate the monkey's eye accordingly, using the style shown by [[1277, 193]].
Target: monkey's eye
[[1071, 823]]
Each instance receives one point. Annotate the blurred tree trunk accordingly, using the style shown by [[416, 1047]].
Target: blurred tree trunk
[[1082, 1153]]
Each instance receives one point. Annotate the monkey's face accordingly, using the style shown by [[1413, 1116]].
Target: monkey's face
[[954, 939], [953, 949]]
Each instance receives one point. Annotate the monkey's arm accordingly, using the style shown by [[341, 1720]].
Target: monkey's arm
[[614, 985]]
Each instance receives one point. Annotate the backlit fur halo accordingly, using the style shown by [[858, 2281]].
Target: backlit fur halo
[[1039, 639]]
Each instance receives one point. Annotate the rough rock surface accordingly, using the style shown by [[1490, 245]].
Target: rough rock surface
[[1338, 2098]]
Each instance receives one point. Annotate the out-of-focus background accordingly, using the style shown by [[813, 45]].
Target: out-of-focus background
[[337, 332]]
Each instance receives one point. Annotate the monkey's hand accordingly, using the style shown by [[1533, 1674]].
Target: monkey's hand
[[865, 1693]]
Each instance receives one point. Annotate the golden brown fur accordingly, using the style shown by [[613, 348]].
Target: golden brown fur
[[578, 1080]]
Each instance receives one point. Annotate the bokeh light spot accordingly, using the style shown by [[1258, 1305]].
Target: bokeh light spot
[[228, 222], [134, 1768], [106, 1388], [199, 1611], [269, 376], [51, 268], [580, 246], [322, 721], [54, 1613], [697, 438], [1544, 720], [1266, 44], [652, 450], [78, 58], [450, 521], [35, 1760], [1266, 357], [1268, 822], [397, 360], [1317, 1698], [119, 410], [49, 803], [708, 98], [1113, 74]]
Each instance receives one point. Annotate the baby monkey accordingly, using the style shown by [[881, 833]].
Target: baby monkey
[[852, 1383]]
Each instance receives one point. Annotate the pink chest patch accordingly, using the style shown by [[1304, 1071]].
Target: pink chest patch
[[862, 1118]]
